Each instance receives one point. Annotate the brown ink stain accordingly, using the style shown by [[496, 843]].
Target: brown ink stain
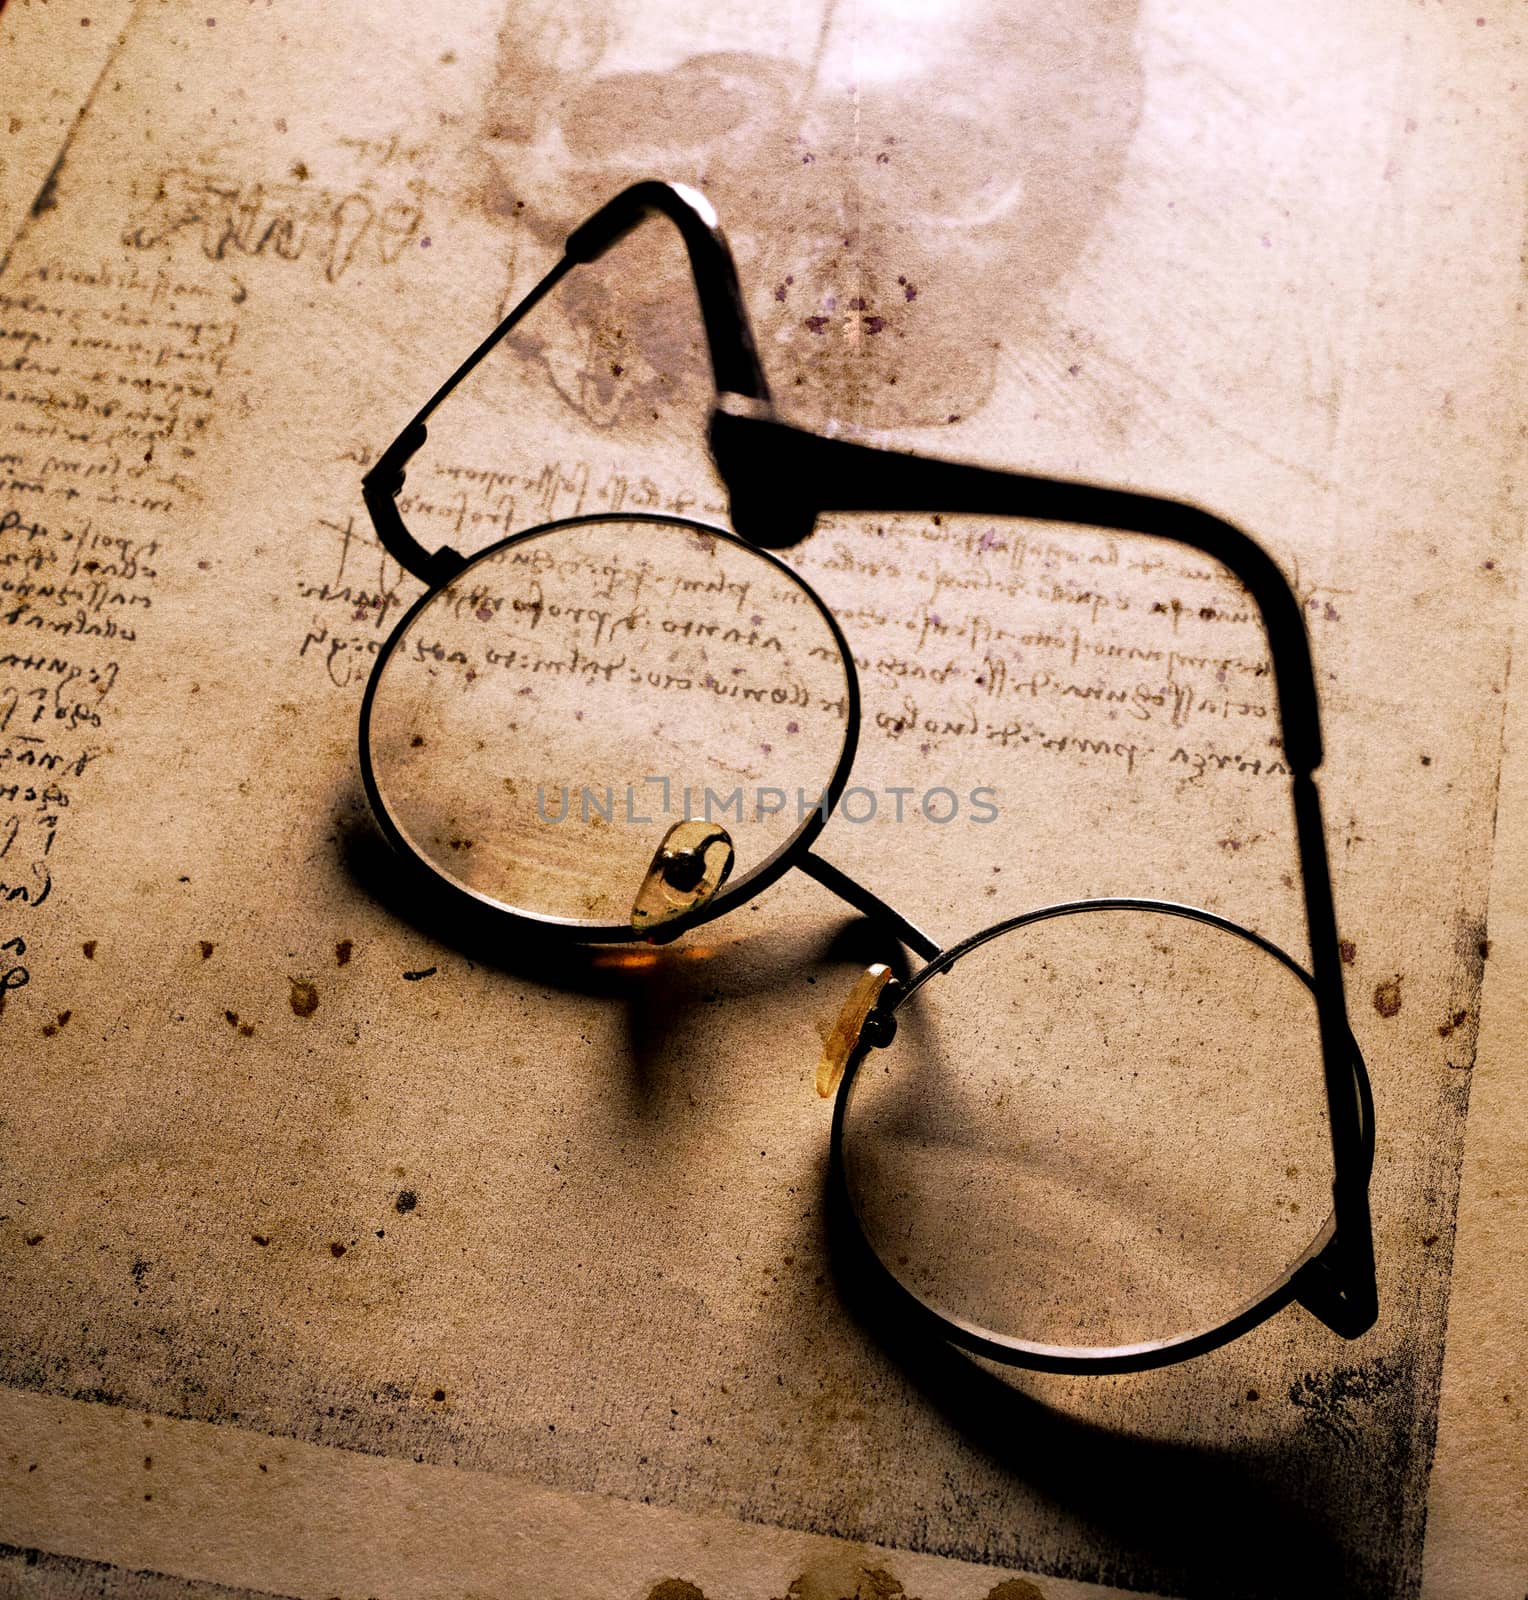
[[424, 972], [675, 1589], [89, 947], [405, 1202], [844, 1576], [34, 1238], [1348, 951], [1233, 844], [1456, 1021], [206, 947], [1336, 1401], [304, 997], [336, 1249], [245, 1030], [260, 1239], [967, 224], [1387, 997], [50, 1028], [300, 171], [438, 1396], [342, 952]]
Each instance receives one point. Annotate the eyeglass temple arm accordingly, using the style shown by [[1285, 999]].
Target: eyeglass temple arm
[[729, 337], [783, 476]]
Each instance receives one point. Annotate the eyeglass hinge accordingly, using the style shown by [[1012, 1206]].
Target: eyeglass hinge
[[387, 471], [1335, 1293]]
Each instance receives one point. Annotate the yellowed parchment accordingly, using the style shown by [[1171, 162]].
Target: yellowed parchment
[[429, 1264]]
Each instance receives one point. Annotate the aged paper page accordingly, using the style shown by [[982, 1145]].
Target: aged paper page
[[1477, 1532], [46, 105], [471, 1267]]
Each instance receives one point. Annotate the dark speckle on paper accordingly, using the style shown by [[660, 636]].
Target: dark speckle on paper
[[405, 1202], [424, 972], [304, 997], [1332, 1401], [342, 952], [1387, 997], [1456, 1021]]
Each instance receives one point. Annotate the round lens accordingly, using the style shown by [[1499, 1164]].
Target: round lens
[[535, 728], [1099, 1128]]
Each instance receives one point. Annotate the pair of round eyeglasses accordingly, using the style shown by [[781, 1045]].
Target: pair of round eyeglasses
[[1032, 1149]]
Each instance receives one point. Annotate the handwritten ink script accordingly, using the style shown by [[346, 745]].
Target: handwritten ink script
[[1046, 643], [290, 220], [108, 379]]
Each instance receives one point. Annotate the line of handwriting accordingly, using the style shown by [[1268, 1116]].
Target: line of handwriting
[[285, 221]]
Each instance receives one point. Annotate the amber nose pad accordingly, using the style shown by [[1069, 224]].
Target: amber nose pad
[[689, 866], [866, 1019]]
